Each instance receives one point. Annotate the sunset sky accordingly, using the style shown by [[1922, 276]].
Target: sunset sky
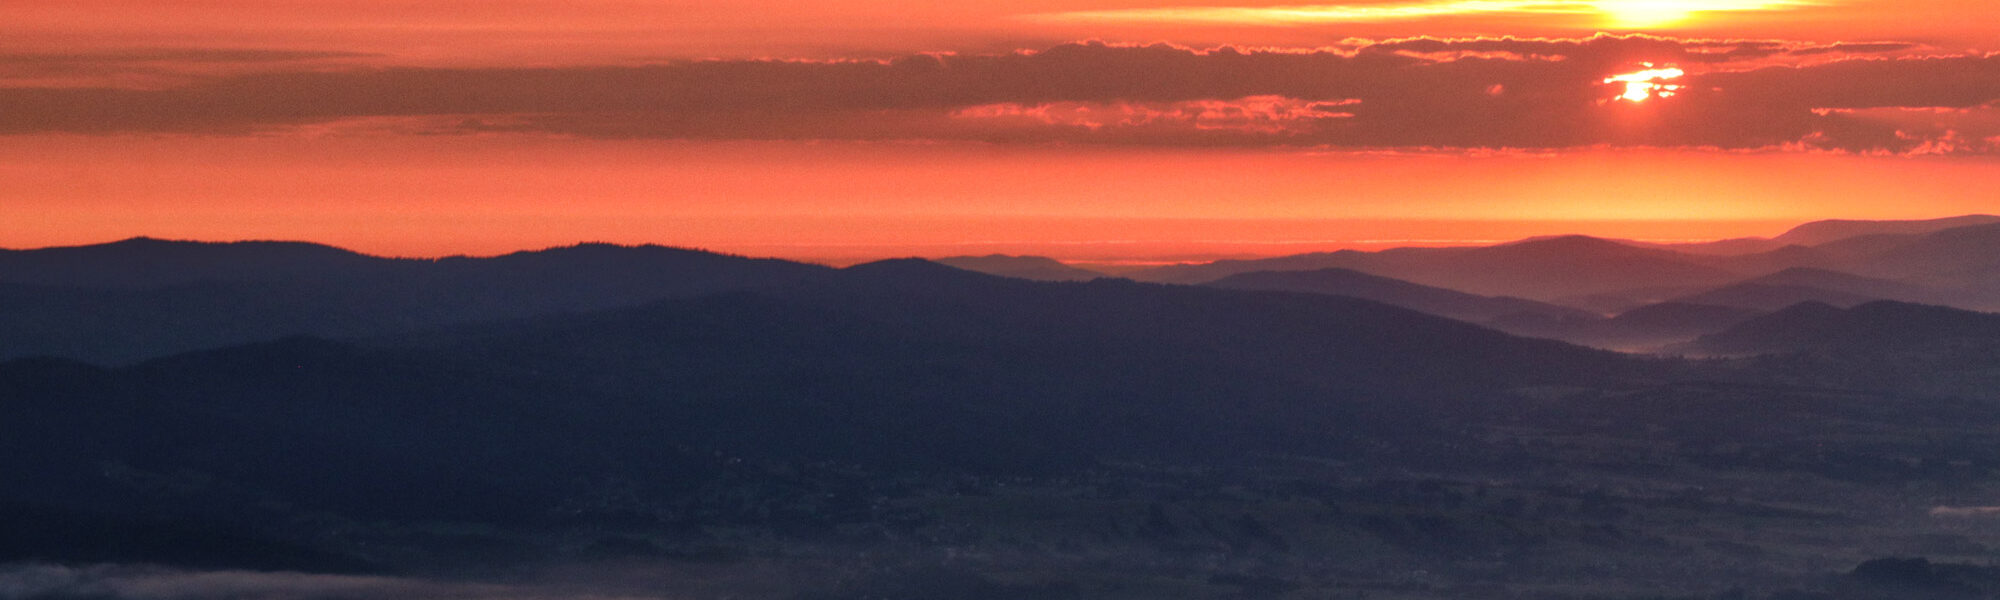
[[1133, 130]]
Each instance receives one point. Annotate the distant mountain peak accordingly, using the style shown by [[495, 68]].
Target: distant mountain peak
[[611, 249], [1820, 232], [146, 240], [911, 268], [1543, 269], [1572, 238], [1883, 326], [1576, 243], [1039, 268], [121, 302], [900, 264]]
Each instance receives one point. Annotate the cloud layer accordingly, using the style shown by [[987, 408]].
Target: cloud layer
[[1652, 14], [1414, 93]]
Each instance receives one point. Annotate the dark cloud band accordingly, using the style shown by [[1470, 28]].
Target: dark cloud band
[[1476, 93]]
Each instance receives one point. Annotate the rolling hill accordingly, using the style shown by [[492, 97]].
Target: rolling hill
[[1792, 286], [1656, 325], [1038, 268], [1880, 327], [1437, 301], [1960, 257], [1821, 232], [1540, 269], [138, 299], [908, 429], [897, 366], [1771, 297]]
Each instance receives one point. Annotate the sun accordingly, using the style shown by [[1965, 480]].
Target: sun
[[1648, 84], [1641, 14]]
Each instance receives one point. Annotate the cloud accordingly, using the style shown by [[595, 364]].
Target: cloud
[[1913, 131], [1719, 53], [149, 67], [198, 55], [1488, 93], [1406, 11], [1255, 114]]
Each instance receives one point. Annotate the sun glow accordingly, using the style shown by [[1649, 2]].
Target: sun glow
[[1646, 14], [1646, 84], [1636, 14]]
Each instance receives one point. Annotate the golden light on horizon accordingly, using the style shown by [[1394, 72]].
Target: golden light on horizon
[[1645, 84], [1618, 14], [1648, 14], [1639, 14], [420, 128]]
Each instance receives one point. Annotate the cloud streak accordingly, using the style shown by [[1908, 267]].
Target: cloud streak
[[1501, 93], [151, 67], [1372, 13]]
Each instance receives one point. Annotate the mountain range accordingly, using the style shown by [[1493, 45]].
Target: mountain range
[[886, 366], [684, 422], [1945, 260], [141, 298], [1580, 289], [1541, 269], [1819, 233], [127, 301], [1039, 268]]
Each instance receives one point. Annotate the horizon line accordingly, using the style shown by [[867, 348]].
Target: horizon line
[[902, 249]]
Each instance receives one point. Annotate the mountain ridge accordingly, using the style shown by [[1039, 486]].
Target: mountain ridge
[[1539, 269], [1040, 268], [115, 306]]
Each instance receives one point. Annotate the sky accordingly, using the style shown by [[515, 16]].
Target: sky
[[1095, 130]]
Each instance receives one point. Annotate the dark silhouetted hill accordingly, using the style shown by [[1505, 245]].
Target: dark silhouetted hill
[[1848, 250], [1965, 256], [845, 434], [1954, 266], [1667, 322], [1833, 244], [1792, 286], [1770, 261], [141, 263], [1821, 232], [137, 299], [1874, 327], [1728, 247], [1642, 329], [1771, 297], [1919, 579], [1883, 346], [1037, 268], [1538, 269], [1826, 279], [1437, 301], [1829, 238], [894, 365]]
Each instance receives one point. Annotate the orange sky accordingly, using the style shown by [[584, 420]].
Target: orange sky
[[598, 31], [410, 127]]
